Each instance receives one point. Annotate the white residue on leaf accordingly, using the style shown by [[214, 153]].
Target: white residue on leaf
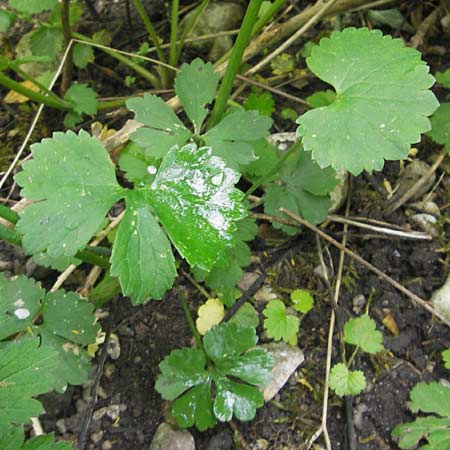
[[22, 313], [216, 180], [152, 170], [19, 303]]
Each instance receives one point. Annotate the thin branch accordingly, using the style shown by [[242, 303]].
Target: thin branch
[[415, 188], [415, 298]]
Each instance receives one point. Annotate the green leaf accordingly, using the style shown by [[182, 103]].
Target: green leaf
[[279, 324], [382, 104], [440, 126], [428, 398], [142, 257], [60, 263], [391, 17], [69, 316], [46, 42], [139, 168], [431, 398], [164, 129], [362, 333], [66, 323], [303, 189], [72, 119], [232, 137], [32, 6], [195, 408], [75, 13], [25, 371], [82, 55], [303, 300], [282, 64], [83, 98], [267, 157], [181, 370], [410, 434], [196, 86], [346, 382], [321, 98], [6, 20], [73, 181], [443, 78], [231, 352], [263, 103], [246, 316], [194, 197], [106, 290], [239, 399], [19, 303], [445, 357], [13, 439]]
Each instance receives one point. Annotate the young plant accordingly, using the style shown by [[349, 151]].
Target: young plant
[[280, 325], [360, 332], [218, 380]]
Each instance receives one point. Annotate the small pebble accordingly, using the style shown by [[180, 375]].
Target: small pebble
[[96, 437], [109, 369], [114, 347], [113, 411], [80, 405], [358, 303], [107, 445], [99, 413], [61, 426]]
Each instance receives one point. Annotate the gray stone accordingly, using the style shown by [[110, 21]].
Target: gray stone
[[428, 208], [167, 438], [411, 175], [99, 413], [96, 437], [426, 222], [113, 411], [217, 17], [441, 299], [286, 360]]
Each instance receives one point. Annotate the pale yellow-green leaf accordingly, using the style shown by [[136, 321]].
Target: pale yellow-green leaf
[[209, 314]]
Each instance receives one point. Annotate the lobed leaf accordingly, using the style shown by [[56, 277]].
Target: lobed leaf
[[196, 86], [73, 182], [362, 333], [163, 128], [194, 197], [13, 439], [278, 324], [83, 98], [32, 6], [303, 189], [346, 382], [46, 41], [430, 398], [231, 139], [142, 257], [382, 101], [26, 370], [440, 126], [303, 300]]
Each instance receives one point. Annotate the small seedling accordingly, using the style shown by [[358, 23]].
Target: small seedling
[[360, 332]]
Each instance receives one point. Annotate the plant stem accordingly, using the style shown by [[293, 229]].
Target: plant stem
[[262, 21], [13, 237], [8, 214], [250, 18], [110, 104], [265, 178], [153, 79], [173, 33], [189, 28], [188, 315], [53, 102], [67, 34], [154, 37]]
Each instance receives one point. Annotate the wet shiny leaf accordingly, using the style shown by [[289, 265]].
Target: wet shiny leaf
[[278, 324], [194, 197]]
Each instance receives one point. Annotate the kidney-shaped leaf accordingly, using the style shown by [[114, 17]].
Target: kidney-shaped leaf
[[382, 102], [194, 197], [73, 181]]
